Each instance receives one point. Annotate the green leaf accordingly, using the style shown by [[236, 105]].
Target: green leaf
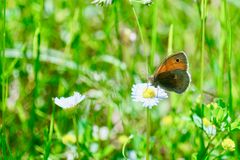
[[235, 125]]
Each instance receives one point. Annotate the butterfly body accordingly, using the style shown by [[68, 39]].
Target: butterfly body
[[172, 74]]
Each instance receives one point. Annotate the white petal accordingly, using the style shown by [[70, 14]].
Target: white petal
[[161, 93], [197, 120], [210, 130], [69, 101], [137, 94]]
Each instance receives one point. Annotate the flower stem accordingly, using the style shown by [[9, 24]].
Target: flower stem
[[148, 133], [4, 85], [203, 30], [228, 32], [203, 22], [36, 55], [75, 124], [141, 36], [116, 23], [49, 141], [170, 40], [154, 34]]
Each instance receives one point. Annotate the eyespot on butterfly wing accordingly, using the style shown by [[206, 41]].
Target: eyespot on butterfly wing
[[172, 74]]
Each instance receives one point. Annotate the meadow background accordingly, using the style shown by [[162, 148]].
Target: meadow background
[[52, 48]]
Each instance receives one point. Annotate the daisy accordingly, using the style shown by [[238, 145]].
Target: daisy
[[69, 101], [147, 94]]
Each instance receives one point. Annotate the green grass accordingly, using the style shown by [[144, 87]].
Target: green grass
[[229, 55], [53, 48], [5, 151], [203, 149]]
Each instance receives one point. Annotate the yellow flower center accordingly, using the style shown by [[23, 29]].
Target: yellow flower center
[[149, 93], [228, 144], [206, 122]]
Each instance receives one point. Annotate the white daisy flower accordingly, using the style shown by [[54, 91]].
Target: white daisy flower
[[147, 94], [69, 101]]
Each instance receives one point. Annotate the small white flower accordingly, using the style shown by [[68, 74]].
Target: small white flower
[[208, 127], [147, 94], [71, 153], [133, 36], [128, 35], [102, 2], [103, 133], [210, 130], [69, 101]]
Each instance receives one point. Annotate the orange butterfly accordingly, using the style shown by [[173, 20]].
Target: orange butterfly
[[172, 74]]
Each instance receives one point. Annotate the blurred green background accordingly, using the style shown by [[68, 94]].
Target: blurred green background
[[55, 47]]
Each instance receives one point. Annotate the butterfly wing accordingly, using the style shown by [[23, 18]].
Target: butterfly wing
[[176, 61], [172, 74], [176, 80]]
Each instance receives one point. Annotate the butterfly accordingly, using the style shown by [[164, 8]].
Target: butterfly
[[172, 74]]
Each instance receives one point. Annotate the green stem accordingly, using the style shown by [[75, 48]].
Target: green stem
[[76, 131], [221, 57], [117, 30], [141, 35], [154, 34], [148, 133], [36, 53], [170, 40], [2, 50], [124, 146], [219, 143], [4, 82], [139, 26], [203, 21], [228, 33], [206, 153], [48, 146], [51, 124]]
